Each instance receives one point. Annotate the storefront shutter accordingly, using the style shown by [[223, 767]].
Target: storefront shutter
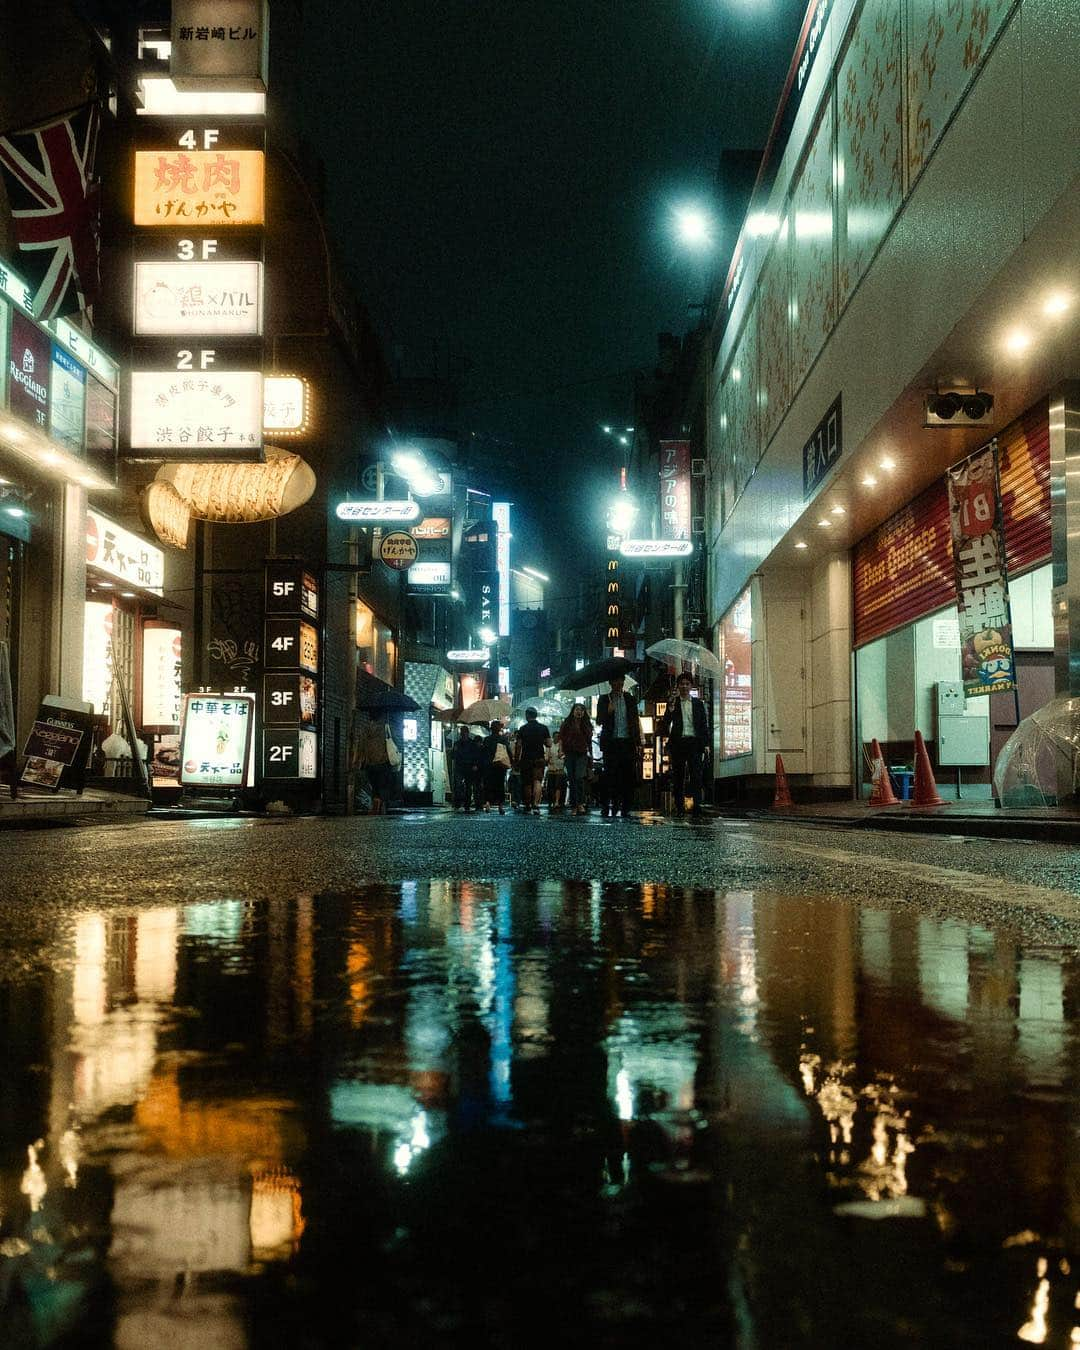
[[1024, 464], [904, 570]]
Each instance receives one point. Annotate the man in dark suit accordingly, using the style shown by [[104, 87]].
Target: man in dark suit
[[685, 726], [620, 744]]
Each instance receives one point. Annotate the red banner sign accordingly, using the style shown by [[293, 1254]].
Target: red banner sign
[[904, 570], [675, 489], [982, 587]]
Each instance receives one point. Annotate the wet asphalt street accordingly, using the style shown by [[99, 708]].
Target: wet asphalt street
[[431, 1080]]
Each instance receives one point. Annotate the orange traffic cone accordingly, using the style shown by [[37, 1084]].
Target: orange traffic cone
[[882, 793], [926, 793], [783, 792]]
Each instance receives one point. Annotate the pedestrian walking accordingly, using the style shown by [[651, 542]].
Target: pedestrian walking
[[555, 779], [575, 739], [377, 754], [496, 764], [685, 727], [468, 765], [620, 744], [531, 745]]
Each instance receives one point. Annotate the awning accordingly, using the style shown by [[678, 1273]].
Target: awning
[[375, 695]]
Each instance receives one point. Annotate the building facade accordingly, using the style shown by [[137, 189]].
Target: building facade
[[914, 233]]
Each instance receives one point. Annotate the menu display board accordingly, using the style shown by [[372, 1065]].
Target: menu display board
[[57, 748]]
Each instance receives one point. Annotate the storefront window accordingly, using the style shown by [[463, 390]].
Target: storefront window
[[375, 644], [736, 691]]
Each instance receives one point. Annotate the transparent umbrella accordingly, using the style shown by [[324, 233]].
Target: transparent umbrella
[[484, 710], [1039, 764], [679, 653]]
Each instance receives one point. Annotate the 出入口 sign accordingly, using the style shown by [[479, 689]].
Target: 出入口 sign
[[824, 448]]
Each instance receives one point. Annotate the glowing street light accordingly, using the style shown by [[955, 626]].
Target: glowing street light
[[417, 472], [693, 227], [622, 514], [488, 636], [532, 572]]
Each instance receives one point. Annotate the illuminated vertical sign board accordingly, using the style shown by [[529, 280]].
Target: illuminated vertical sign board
[[199, 189], [500, 513], [675, 489]]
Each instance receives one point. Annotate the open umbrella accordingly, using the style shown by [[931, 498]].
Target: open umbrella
[[548, 709], [484, 710], [679, 654], [375, 695], [598, 673]]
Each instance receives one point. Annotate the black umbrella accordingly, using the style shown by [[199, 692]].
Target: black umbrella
[[598, 672], [375, 695]]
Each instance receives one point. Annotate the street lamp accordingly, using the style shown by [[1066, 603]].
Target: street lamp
[[487, 636], [693, 227], [413, 467], [622, 513]]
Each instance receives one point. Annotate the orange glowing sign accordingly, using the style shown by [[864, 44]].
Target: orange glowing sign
[[199, 187]]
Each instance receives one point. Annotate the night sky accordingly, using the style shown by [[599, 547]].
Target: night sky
[[500, 181]]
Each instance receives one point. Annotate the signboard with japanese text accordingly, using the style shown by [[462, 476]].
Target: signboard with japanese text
[[120, 554], [431, 527], [398, 550], [219, 44], [736, 692], [199, 189], [191, 416], [215, 740], [675, 489], [291, 589], [289, 753], [289, 699], [67, 401], [16, 289], [58, 747], [823, 449], [29, 356], [162, 684], [85, 352], [286, 404], [982, 586], [291, 644], [198, 299], [429, 574], [500, 514]]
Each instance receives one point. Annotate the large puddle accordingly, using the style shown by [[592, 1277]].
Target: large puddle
[[448, 1113]]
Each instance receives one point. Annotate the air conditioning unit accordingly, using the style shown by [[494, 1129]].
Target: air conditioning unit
[[959, 408], [697, 468]]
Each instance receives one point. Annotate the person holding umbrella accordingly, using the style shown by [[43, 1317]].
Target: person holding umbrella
[[620, 744], [685, 726], [496, 762]]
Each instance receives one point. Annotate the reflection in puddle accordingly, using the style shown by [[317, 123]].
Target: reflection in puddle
[[432, 1079]]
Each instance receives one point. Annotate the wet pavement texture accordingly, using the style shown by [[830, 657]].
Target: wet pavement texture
[[310, 1083]]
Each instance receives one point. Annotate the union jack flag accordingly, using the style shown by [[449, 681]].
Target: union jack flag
[[48, 173]]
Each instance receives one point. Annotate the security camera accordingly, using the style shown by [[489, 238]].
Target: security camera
[[958, 408]]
